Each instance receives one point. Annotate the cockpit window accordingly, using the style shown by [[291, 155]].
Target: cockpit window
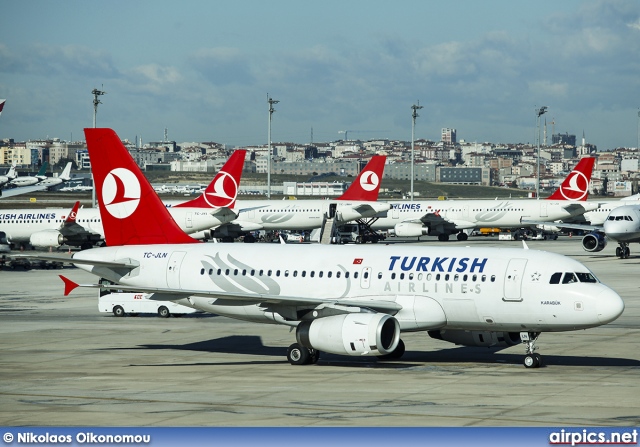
[[569, 278], [555, 278], [586, 277]]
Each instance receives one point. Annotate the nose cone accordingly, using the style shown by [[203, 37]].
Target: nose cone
[[610, 306]]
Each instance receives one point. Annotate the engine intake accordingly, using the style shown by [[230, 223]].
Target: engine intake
[[353, 334], [594, 242], [410, 229], [484, 339]]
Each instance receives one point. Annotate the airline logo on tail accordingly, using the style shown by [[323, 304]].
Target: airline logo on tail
[[369, 181], [121, 193], [576, 186], [224, 191]]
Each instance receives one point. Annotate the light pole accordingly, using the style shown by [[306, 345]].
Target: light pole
[[414, 115], [95, 92], [541, 111], [271, 110]]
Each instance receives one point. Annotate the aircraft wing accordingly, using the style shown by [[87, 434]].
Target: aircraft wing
[[127, 263], [10, 192], [577, 207], [572, 226], [167, 294]]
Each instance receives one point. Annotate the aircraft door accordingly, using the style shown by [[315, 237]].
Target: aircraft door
[[513, 279], [189, 220], [465, 211], [543, 209], [365, 279], [395, 214], [173, 269], [332, 210]]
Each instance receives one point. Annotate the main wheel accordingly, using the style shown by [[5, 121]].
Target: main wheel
[[619, 252], [314, 356], [118, 311], [443, 237], [297, 354], [626, 252], [163, 312], [462, 236]]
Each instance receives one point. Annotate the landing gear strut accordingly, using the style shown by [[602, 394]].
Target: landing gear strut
[[623, 251], [531, 359], [300, 355]]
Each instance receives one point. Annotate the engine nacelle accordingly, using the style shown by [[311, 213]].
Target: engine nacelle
[[47, 238], [594, 242], [548, 228], [410, 229], [484, 339], [353, 334]]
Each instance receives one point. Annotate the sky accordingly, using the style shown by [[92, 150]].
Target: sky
[[205, 69]]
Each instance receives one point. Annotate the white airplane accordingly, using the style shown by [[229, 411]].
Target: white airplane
[[350, 300], [622, 225], [46, 227], [29, 180], [358, 201], [44, 184], [443, 218], [10, 175]]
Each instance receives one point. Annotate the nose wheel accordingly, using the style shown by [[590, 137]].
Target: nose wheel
[[623, 251], [531, 358]]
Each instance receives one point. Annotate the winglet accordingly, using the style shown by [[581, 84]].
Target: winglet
[[576, 186], [69, 286], [367, 185], [223, 189]]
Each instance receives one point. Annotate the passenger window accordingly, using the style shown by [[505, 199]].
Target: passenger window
[[346, 274], [484, 278], [555, 278], [320, 274], [438, 277], [219, 272], [304, 273], [313, 273], [329, 274], [235, 272], [226, 272], [286, 273], [337, 274], [210, 272], [569, 278], [401, 275], [493, 278], [355, 275], [446, 277], [366, 275], [269, 273], [202, 271], [379, 275], [393, 276], [411, 276]]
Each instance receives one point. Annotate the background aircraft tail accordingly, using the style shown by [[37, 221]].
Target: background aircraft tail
[[576, 186], [131, 211], [223, 189], [367, 185], [2, 101]]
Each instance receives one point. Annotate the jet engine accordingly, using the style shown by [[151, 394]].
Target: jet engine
[[47, 238], [353, 334], [594, 242], [410, 229], [484, 339]]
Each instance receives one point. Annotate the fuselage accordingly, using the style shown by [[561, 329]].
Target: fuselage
[[438, 288], [21, 224], [301, 214], [479, 213]]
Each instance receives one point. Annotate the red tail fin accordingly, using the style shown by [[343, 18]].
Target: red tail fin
[[367, 185], [131, 211], [223, 189], [71, 218], [576, 186]]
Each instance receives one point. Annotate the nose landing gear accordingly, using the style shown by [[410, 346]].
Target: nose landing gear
[[531, 359]]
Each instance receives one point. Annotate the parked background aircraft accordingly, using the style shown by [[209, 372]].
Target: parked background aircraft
[[28, 180], [46, 227], [444, 218], [358, 201], [349, 300], [10, 175]]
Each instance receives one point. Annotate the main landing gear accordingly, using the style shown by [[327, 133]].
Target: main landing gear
[[623, 251], [300, 355], [531, 359]]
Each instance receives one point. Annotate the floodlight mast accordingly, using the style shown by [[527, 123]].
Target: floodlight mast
[[95, 92], [271, 110], [414, 115], [541, 111]]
